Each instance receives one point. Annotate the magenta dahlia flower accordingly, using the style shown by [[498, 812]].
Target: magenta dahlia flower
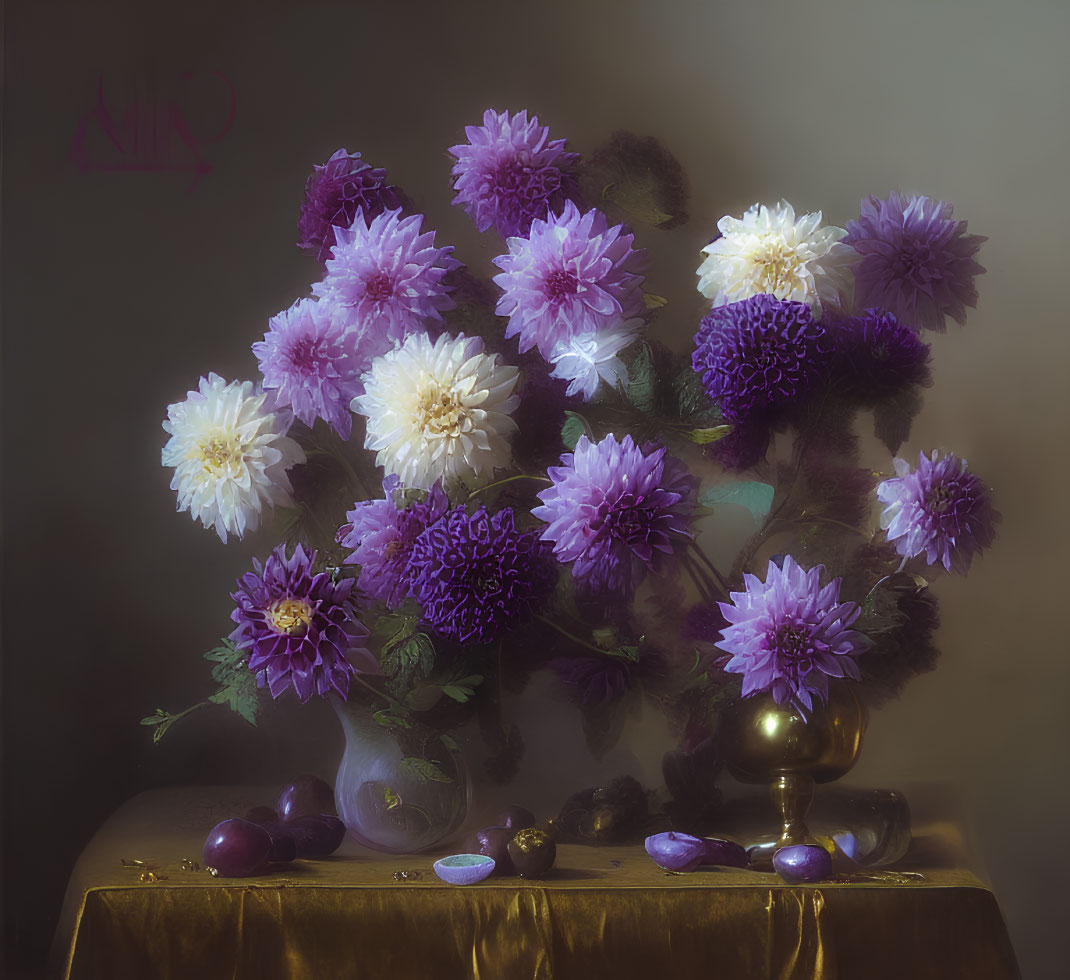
[[613, 509], [389, 277], [300, 628], [572, 275], [382, 534], [789, 635], [760, 355], [940, 510], [510, 172], [335, 193], [310, 361], [476, 576], [917, 261]]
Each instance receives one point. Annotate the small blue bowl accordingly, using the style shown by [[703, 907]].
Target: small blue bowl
[[464, 869]]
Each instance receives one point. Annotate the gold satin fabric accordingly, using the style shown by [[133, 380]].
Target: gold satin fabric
[[603, 912]]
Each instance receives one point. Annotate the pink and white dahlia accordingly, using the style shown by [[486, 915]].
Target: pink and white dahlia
[[572, 275]]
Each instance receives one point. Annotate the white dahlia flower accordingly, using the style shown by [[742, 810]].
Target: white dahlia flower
[[769, 251], [230, 452], [438, 411], [589, 358]]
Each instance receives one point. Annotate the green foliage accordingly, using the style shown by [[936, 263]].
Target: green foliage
[[755, 497], [463, 688], [237, 688], [704, 437], [571, 431], [642, 381], [424, 770], [893, 417]]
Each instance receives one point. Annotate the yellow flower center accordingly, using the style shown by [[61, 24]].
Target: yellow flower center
[[441, 412], [775, 266], [291, 616], [221, 454]]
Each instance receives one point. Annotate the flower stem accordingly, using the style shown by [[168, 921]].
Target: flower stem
[[508, 479], [386, 697], [710, 565], [575, 639], [701, 583]]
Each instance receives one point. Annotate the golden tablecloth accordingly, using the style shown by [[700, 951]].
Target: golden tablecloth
[[603, 912]]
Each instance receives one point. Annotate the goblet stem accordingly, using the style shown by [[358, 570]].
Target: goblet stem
[[792, 793]]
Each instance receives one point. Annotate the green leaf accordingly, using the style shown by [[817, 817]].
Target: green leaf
[[390, 798], [605, 637], [409, 659], [574, 427], [156, 719], [893, 417], [457, 692], [641, 381], [424, 770], [756, 497], [711, 434], [450, 742], [389, 720], [653, 301], [423, 697]]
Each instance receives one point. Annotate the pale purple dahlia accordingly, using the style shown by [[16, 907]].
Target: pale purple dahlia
[[382, 534], [613, 509], [310, 361], [300, 628], [789, 635], [572, 275], [335, 193], [510, 172], [476, 576], [940, 510], [917, 261], [389, 277], [760, 356]]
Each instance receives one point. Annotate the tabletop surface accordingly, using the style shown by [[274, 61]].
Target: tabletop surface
[[143, 865]]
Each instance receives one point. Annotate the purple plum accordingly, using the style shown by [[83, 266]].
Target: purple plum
[[674, 851], [802, 862], [237, 849]]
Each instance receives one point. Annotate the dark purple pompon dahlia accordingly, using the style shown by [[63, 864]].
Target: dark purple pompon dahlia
[[917, 261], [760, 356], [613, 510], [382, 535], [878, 356], [300, 628], [476, 576], [941, 510], [510, 172], [335, 193]]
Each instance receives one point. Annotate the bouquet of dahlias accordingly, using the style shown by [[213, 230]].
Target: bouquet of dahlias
[[468, 476]]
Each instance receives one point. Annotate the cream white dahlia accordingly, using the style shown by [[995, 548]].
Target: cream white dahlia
[[438, 411], [769, 251], [230, 452]]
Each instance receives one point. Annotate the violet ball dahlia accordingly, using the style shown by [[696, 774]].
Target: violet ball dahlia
[[572, 275], [878, 355], [388, 276], [300, 628], [789, 635], [613, 509], [310, 361], [381, 535], [476, 576], [760, 356], [917, 261], [230, 452], [510, 172], [335, 193], [940, 510]]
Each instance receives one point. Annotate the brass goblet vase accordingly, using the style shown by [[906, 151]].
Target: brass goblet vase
[[766, 742]]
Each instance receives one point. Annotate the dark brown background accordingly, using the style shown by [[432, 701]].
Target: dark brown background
[[122, 287]]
